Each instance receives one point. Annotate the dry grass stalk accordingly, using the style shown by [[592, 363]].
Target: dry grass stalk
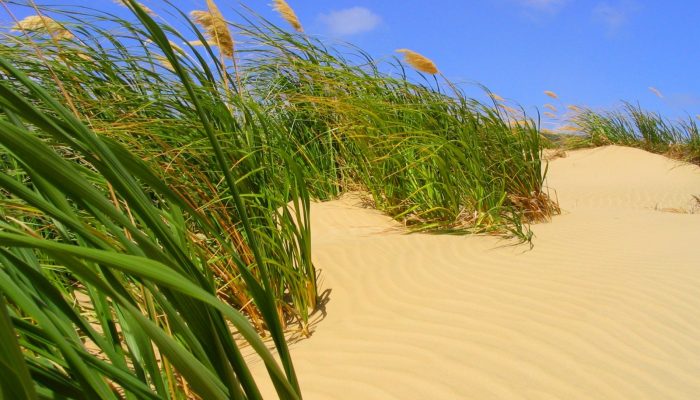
[[287, 14], [553, 154], [568, 128], [164, 62], [214, 24], [199, 43], [551, 94], [42, 24], [418, 61], [536, 208]]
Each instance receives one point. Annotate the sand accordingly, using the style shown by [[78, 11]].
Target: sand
[[605, 306]]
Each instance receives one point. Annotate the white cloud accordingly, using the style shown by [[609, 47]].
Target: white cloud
[[614, 16], [350, 21]]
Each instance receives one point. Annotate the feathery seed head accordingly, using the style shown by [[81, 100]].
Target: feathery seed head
[[551, 94], [215, 27], [573, 108], [656, 91], [496, 97], [551, 107], [42, 24], [287, 14], [143, 6], [508, 109], [549, 114], [568, 128], [519, 122], [418, 61]]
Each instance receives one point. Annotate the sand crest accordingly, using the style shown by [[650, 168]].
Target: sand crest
[[605, 306]]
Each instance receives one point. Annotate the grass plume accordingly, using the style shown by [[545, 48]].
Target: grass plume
[[216, 28], [126, 3], [44, 25], [551, 94], [288, 14], [656, 92], [419, 61], [496, 97]]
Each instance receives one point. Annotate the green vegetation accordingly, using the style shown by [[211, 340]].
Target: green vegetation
[[430, 160], [635, 127], [155, 192]]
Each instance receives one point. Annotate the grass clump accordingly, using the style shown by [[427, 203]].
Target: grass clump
[[635, 127], [434, 160]]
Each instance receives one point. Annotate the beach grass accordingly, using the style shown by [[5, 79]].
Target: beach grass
[[157, 182], [425, 153], [635, 127]]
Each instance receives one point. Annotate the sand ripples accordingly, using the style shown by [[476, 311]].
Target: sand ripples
[[607, 304]]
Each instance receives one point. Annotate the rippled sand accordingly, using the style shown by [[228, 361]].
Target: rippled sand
[[605, 306]]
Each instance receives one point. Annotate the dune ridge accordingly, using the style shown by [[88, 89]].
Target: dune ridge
[[605, 306]]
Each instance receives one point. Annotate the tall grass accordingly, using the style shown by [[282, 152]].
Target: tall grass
[[434, 160], [635, 127], [85, 221], [156, 186], [115, 78], [134, 202]]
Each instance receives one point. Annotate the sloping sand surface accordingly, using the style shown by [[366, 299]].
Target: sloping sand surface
[[605, 306]]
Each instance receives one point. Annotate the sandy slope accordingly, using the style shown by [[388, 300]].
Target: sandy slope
[[606, 305]]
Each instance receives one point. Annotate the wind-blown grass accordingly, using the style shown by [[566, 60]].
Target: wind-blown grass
[[635, 127], [124, 92], [432, 160], [84, 218], [156, 187], [105, 256]]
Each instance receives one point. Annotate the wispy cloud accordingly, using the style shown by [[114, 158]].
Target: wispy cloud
[[546, 6], [350, 21], [614, 15], [683, 100]]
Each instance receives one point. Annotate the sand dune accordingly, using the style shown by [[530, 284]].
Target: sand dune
[[605, 306]]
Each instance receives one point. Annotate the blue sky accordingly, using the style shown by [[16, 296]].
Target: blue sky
[[592, 53]]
